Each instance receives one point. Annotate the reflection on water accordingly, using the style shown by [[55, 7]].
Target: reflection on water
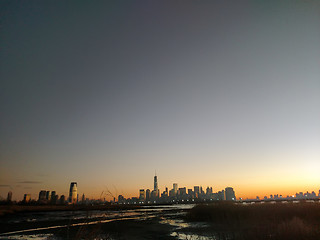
[[176, 206], [93, 214], [180, 225], [32, 237], [166, 215], [44, 237], [184, 236]]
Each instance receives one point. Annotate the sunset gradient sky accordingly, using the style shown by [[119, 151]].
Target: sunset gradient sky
[[211, 93]]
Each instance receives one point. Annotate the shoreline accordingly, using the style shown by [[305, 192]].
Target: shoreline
[[123, 228], [6, 210], [144, 225]]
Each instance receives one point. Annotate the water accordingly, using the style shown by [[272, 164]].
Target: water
[[183, 230], [166, 218], [31, 237]]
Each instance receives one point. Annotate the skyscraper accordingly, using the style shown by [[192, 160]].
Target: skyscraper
[[42, 196], [62, 199], [26, 198], [121, 199], [142, 195], [155, 184], [196, 190], [230, 195], [148, 195], [54, 197], [48, 197], [73, 193], [221, 195], [175, 188]]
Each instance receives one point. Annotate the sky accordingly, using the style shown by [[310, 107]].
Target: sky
[[211, 93]]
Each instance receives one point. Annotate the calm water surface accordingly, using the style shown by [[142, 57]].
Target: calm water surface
[[164, 215]]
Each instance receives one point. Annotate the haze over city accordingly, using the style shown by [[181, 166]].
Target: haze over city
[[207, 93]]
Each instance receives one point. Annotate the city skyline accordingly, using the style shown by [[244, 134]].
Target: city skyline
[[156, 194], [211, 93]]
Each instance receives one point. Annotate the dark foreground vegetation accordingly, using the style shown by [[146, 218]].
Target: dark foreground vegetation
[[278, 221]]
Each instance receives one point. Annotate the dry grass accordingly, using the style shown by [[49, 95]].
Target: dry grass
[[262, 221]]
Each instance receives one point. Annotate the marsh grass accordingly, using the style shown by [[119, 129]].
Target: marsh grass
[[277, 221]]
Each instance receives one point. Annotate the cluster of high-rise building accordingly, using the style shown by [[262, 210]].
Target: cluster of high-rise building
[[174, 195], [178, 195], [307, 195], [297, 196], [45, 197]]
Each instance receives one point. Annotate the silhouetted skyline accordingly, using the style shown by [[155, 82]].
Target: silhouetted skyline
[[181, 195], [212, 92]]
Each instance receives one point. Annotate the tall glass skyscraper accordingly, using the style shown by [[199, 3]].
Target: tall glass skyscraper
[[73, 193], [155, 186], [155, 183], [175, 188]]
